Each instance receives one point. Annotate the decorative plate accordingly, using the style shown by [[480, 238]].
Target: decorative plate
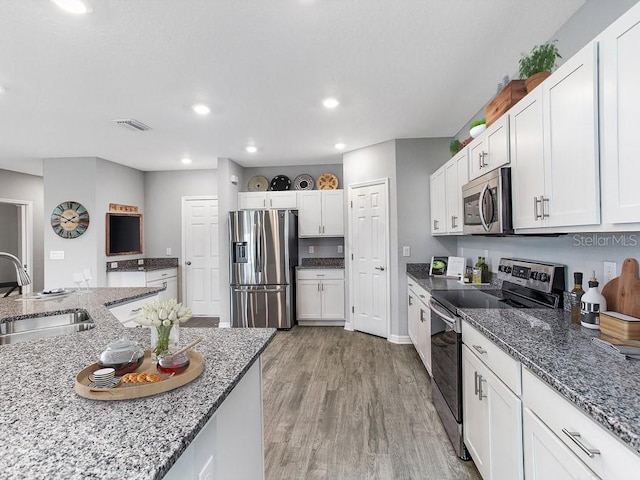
[[280, 182], [327, 181], [258, 184], [304, 182]]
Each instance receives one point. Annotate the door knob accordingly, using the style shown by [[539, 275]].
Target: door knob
[[381, 268], [188, 262]]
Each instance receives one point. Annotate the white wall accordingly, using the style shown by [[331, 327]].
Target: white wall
[[20, 186], [94, 183], [163, 192]]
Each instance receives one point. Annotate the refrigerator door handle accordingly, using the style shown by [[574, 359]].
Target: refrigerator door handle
[[254, 289]]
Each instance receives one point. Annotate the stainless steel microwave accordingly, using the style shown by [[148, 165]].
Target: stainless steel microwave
[[487, 204]]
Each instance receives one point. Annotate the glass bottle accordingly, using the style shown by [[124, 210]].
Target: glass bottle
[[477, 271], [484, 268], [575, 297]]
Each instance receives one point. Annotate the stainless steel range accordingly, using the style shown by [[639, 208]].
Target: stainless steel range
[[525, 284]]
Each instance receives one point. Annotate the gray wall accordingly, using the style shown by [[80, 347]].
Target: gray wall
[[9, 235], [580, 29], [20, 186], [94, 183], [290, 171], [163, 192], [322, 247]]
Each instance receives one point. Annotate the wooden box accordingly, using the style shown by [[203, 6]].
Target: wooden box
[[620, 326], [507, 98]]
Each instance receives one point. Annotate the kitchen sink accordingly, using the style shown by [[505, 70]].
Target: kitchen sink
[[23, 329]]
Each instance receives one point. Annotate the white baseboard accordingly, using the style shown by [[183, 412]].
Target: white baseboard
[[348, 326], [224, 325], [321, 323], [399, 339]]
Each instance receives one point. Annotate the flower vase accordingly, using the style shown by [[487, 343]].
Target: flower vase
[[164, 339]]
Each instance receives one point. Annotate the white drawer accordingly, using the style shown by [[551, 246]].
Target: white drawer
[[126, 312], [320, 274], [155, 275], [615, 460], [505, 367], [418, 291]]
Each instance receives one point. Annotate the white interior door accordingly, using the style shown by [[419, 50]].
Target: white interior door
[[201, 254], [369, 267]]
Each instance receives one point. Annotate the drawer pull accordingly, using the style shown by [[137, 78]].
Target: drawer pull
[[421, 296], [591, 452], [479, 349], [136, 310], [475, 383]]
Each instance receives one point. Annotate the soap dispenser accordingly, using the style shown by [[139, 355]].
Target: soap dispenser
[[591, 304]]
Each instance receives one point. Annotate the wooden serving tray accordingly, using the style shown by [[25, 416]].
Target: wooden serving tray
[[127, 392]]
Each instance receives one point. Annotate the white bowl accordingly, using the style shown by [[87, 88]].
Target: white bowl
[[477, 130]]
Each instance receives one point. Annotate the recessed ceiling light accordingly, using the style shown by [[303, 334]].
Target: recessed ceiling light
[[201, 109], [330, 102], [77, 7], [186, 161], [340, 146], [251, 149]]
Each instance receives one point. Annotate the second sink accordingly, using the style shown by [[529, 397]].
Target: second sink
[[23, 329]]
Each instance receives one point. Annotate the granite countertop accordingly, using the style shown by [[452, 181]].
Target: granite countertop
[[561, 353], [309, 263], [149, 264], [51, 432]]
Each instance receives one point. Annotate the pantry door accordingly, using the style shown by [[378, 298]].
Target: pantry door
[[369, 257], [201, 255]]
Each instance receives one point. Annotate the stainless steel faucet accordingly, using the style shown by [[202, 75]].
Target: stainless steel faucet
[[23, 276]]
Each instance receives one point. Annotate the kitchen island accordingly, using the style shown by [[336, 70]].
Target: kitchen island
[[48, 431]]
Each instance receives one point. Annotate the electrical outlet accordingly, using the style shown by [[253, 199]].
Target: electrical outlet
[[168, 251], [56, 255], [610, 272], [339, 248], [113, 264], [312, 249], [406, 251], [141, 261]]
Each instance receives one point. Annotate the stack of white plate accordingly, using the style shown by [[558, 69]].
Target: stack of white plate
[[103, 378]]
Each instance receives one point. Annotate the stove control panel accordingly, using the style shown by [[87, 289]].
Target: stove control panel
[[541, 276]]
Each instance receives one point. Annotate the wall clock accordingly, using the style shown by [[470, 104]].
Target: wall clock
[[70, 219]]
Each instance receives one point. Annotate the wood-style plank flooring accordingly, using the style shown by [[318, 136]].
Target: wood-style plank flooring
[[349, 406]]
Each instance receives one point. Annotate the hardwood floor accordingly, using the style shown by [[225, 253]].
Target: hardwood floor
[[344, 405]]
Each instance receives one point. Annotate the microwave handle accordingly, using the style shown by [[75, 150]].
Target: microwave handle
[[484, 191]]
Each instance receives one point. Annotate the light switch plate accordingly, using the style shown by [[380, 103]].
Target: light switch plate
[[339, 248], [56, 255], [610, 272], [168, 251], [311, 249], [406, 251]]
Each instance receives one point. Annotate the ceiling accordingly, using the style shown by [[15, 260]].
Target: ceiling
[[401, 69]]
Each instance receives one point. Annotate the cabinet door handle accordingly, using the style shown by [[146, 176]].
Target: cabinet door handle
[[323, 229], [410, 300], [435, 224], [536, 215], [318, 285], [481, 394], [319, 228], [264, 202], [322, 287], [543, 201], [591, 452], [479, 349], [481, 156], [475, 383]]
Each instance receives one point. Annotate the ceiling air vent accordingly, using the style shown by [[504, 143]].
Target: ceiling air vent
[[132, 124]]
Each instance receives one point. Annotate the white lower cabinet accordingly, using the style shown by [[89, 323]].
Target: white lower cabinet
[[559, 437], [320, 296], [166, 278], [546, 457], [127, 312], [419, 321], [492, 416]]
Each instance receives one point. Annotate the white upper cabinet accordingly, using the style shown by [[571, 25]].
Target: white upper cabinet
[[456, 173], [321, 213], [620, 70], [554, 148], [265, 200], [491, 149], [437, 192]]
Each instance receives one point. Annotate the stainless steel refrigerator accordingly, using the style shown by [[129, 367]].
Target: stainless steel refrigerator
[[264, 252]]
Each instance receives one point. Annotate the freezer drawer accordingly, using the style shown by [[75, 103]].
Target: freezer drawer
[[262, 306]]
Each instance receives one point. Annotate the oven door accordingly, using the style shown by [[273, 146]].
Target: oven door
[[446, 356]]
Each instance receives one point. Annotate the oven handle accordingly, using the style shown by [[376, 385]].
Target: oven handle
[[451, 321]]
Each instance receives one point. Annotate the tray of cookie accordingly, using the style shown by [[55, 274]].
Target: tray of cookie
[[143, 382]]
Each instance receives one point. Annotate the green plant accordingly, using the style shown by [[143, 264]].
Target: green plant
[[454, 146], [542, 58], [475, 123]]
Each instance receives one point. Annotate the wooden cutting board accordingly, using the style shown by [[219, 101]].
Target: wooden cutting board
[[623, 293]]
